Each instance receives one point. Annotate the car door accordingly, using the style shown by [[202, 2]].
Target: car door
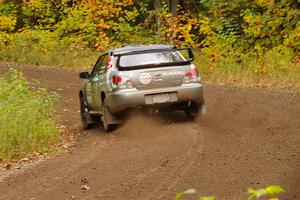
[[89, 89], [100, 84], [92, 84]]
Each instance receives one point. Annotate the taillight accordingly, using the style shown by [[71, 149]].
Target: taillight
[[192, 72], [191, 76], [116, 79], [121, 82]]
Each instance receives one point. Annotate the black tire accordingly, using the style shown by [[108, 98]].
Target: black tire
[[84, 115], [106, 113], [188, 114], [191, 111]]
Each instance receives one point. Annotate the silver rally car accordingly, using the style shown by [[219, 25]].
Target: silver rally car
[[159, 76]]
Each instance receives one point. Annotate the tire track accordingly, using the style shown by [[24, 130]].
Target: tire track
[[171, 177], [188, 160]]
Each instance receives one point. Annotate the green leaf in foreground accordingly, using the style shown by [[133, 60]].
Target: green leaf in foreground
[[183, 194], [207, 198], [274, 189], [270, 190]]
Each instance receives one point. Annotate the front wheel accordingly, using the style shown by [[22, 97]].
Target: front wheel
[[84, 114], [106, 115]]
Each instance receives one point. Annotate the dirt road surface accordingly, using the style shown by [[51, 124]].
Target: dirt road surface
[[249, 138]]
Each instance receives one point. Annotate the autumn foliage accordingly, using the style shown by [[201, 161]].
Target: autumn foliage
[[257, 37]]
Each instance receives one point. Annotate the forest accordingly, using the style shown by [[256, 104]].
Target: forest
[[248, 42]]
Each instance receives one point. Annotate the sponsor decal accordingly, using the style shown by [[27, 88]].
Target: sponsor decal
[[172, 73], [145, 78], [157, 77]]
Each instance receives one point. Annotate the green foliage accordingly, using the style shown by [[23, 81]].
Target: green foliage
[[184, 193], [207, 198], [225, 62], [190, 192], [26, 122], [260, 24], [257, 40], [7, 23], [42, 47], [269, 24], [269, 190]]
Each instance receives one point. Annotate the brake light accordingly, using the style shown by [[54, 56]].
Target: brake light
[[116, 79], [192, 72], [121, 82], [191, 76]]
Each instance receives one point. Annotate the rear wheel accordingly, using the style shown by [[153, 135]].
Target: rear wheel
[[188, 114], [108, 127], [84, 114], [191, 110]]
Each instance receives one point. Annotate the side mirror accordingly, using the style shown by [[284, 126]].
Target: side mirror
[[84, 75]]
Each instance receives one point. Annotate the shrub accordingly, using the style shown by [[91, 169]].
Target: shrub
[[42, 47], [225, 62], [26, 121]]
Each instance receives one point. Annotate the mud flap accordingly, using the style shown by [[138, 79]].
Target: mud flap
[[113, 119], [89, 119]]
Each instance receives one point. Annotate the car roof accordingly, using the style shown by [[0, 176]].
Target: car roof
[[137, 48]]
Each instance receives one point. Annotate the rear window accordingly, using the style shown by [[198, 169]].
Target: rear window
[[153, 58]]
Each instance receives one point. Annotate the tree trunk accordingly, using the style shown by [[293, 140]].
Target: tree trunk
[[20, 22], [174, 7], [157, 4], [157, 7]]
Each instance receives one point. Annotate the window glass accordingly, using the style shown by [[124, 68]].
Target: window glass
[[97, 67], [104, 64], [151, 58], [106, 60]]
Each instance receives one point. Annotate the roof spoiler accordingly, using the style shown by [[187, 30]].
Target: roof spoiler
[[188, 61], [191, 55]]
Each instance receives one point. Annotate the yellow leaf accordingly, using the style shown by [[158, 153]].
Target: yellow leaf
[[286, 41]]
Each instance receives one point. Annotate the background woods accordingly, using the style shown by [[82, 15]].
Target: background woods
[[256, 39]]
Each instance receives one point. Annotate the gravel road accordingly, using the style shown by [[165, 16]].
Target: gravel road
[[248, 138]]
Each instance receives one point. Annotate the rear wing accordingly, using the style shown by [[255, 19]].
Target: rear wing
[[185, 62]]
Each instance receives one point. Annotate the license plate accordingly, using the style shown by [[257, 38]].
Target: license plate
[[161, 98]]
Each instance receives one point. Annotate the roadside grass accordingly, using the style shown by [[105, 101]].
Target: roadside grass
[[44, 48], [27, 124], [274, 70], [219, 64]]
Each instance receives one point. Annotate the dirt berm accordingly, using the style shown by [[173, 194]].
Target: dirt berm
[[249, 138]]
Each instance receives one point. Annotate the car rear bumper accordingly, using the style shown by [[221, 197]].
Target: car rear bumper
[[129, 98]]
